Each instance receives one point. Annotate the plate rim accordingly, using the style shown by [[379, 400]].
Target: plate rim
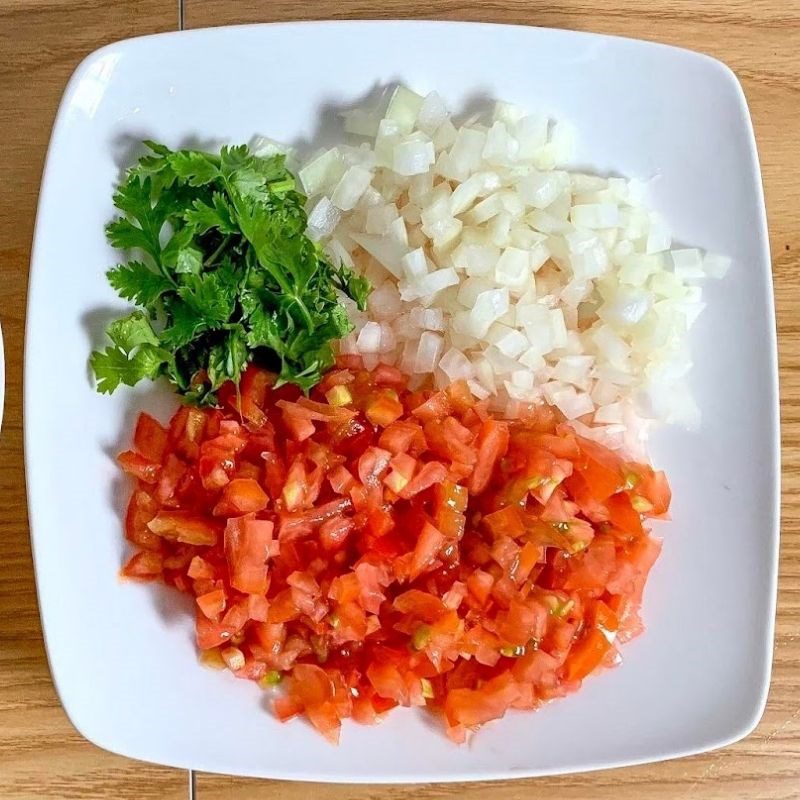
[[762, 232]]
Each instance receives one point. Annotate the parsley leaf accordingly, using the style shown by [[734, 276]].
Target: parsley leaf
[[217, 215], [113, 366], [132, 331], [225, 274], [196, 168], [137, 282], [212, 295]]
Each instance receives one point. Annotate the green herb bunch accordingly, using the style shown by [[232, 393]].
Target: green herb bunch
[[225, 274]]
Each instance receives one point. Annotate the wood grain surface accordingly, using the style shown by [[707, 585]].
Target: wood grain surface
[[41, 755], [40, 43]]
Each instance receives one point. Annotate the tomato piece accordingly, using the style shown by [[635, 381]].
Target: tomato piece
[[450, 522], [622, 515], [215, 469], [212, 603], [247, 548], [475, 706], [403, 467], [299, 428], [480, 585], [601, 469], [150, 438], [460, 396], [286, 708], [386, 375], [522, 622], [383, 409], [210, 633], [334, 532], [257, 608], [253, 388], [507, 521], [372, 465], [141, 509], [139, 467], [200, 569], [427, 552], [586, 654], [492, 445], [431, 473], [184, 526], [421, 605], [447, 445], [388, 682], [172, 472], [379, 522], [241, 496], [296, 486], [145, 565], [293, 525], [400, 436], [305, 408], [650, 493], [634, 563], [452, 495], [435, 408], [592, 568]]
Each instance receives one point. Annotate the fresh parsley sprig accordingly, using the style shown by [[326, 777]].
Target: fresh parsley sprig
[[224, 273]]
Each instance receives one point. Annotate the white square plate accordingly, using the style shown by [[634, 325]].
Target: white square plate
[[122, 655]]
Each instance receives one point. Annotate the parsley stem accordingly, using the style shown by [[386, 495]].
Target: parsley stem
[[213, 257], [305, 313]]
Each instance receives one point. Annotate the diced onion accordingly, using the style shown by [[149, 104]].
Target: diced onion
[[491, 262]]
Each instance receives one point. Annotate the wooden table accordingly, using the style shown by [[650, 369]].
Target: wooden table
[[41, 41]]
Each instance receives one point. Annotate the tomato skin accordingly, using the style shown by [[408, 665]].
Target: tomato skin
[[370, 547]]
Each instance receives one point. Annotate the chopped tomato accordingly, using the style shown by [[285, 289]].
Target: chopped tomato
[[368, 546]]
